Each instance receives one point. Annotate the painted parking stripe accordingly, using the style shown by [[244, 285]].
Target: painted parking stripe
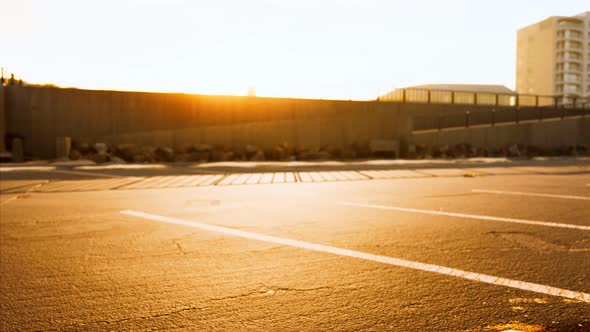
[[332, 176], [465, 215], [316, 177], [91, 174], [229, 179], [144, 183], [29, 190], [518, 193], [197, 180], [305, 177], [177, 181], [278, 178], [290, 177], [473, 276], [359, 176], [170, 181], [340, 176], [369, 174], [9, 187], [254, 179], [382, 174], [241, 179], [106, 184], [155, 182], [343, 176], [352, 176], [266, 178], [64, 186], [86, 185], [211, 180]]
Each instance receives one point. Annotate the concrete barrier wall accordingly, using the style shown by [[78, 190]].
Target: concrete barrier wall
[[40, 114], [549, 134], [433, 116], [2, 120]]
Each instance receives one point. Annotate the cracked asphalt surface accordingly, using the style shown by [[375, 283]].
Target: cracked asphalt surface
[[70, 261]]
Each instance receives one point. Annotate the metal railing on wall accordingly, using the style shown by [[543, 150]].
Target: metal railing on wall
[[501, 108], [491, 117], [428, 96]]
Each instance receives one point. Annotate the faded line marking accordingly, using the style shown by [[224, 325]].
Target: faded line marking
[[7, 190], [8, 200], [28, 191], [518, 193], [464, 215], [537, 288], [88, 174]]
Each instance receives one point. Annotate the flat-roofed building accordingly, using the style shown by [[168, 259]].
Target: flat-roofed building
[[483, 94], [553, 57]]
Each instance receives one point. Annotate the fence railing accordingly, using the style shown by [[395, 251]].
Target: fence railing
[[483, 98], [493, 116], [501, 107]]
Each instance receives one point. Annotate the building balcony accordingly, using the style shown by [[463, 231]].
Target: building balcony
[[571, 85], [579, 28], [564, 59], [570, 25], [562, 81], [566, 38], [567, 70], [570, 47], [568, 94]]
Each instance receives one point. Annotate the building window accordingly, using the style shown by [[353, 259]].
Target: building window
[[568, 66], [571, 77], [569, 55], [571, 88], [569, 34], [569, 45]]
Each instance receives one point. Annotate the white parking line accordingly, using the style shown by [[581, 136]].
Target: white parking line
[[523, 285], [464, 215], [518, 193], [88, 174]]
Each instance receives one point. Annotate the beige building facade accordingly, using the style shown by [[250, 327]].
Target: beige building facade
[[553, 57]]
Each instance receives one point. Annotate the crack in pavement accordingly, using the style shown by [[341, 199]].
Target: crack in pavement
[[179, 247], [122, 320], [532, 241], [262, 291]]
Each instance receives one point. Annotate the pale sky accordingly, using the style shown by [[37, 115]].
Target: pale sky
[[331, 49]]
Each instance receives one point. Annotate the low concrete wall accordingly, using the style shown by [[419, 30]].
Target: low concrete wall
[[549, 134], [435, 116], [40, 114], [2, 120]]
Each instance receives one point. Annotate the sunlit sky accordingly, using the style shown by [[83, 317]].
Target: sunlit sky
[[338, 49]]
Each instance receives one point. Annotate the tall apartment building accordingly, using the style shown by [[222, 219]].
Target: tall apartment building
[[553, 57]]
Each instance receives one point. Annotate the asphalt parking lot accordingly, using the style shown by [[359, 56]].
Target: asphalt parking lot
[[492, 248]]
